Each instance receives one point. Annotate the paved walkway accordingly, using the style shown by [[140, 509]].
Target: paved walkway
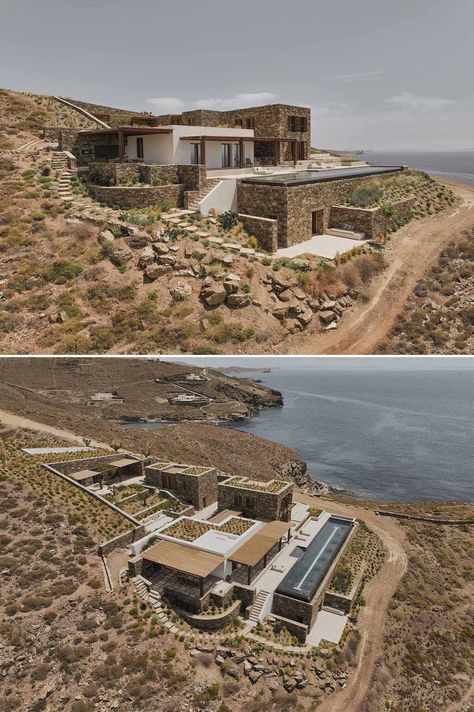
[[328, 626], [327, 246]]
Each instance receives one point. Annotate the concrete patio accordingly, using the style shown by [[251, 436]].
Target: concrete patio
[[326, 246]]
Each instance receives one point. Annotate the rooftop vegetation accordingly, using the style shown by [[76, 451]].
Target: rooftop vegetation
[[270, 486]]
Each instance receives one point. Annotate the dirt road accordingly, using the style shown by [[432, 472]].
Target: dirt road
[[414, 249], [18, 421], [377, 593]]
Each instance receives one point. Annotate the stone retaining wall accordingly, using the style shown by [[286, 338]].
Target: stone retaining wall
[[68, 467], [67, 139], [300, 611], [292, 206], [212, 622], [122, 540], [420, 518], [370, 220], [299, 630], [126, 197], [264, 229]]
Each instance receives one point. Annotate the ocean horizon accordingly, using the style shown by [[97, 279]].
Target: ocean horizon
[[454, 165]]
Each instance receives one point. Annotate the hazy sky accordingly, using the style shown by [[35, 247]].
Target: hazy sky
[[373, 363], [376, 73]]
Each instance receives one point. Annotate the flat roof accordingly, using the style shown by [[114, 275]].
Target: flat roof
[[320, 176], [213, 137], [127, 130], [255, 548], [183, 558], [84, 475], [309, 570], [123, 463]]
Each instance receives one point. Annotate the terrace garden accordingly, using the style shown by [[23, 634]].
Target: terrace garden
[[236, 525], [187, 529], [430, 197], [364, 554], [271, 486]]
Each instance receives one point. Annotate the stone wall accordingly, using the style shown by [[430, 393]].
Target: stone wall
[[370, 220], [200, 490], [82, 145], [246, 594], [296, 610], [120, 173], [126, 197], [122, 540], [215, 622], [255, 503], [339, 601], [264, 229], [68, 467], [67, 139], [292, 206], [299, 630]]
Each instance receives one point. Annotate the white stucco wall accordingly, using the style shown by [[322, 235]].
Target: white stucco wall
[[221, 198], [166, 149]]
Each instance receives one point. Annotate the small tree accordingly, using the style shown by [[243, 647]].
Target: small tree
[[116, 446], [387, 210]]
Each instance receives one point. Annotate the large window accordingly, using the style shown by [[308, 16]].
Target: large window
[[110, 151], [195, 154], [139, 147], [297, 124], [226, 155], [236, 155]]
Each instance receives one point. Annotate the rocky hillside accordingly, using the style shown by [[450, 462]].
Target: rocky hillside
[[77, 277], [439, 317], [70, 385]]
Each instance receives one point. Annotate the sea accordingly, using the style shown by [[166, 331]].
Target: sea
[[455, 165], [390, 435]]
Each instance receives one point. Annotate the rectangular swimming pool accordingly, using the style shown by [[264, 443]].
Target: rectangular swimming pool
[[304, 177], [307, 573]]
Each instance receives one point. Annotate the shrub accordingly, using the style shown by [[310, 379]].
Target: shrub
[[37, 216], [228, 220], [65, 269], [365, 196]]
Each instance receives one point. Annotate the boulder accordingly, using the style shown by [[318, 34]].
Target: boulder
[[305, 318], [147, 257], [213, 295], [280, 283], [120, 255], [160, 248], [154, 271], [286, 295], [167, 260], [327, 316], [239, 301], [182, 290], [280, 313], [254, 676], [328, 304], [137, 240], [299, 294], [231, 283], [106, 238]]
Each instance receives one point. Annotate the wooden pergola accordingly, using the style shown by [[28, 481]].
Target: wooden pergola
[[257, 547], [184, 559]]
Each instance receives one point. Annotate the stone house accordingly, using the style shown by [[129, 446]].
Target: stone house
[[197, 485], [263, 500]]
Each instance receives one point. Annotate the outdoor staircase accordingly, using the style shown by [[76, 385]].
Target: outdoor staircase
[[257, 607], [198, 195], [59, 163], [58, 160]]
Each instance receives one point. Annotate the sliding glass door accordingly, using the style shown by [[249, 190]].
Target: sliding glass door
[[226, 155]]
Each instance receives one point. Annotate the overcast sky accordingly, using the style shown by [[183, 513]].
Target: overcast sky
[[379, 74], [373, 363]]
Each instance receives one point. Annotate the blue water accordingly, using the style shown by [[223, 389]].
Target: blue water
[[455, 165], [390, 435]]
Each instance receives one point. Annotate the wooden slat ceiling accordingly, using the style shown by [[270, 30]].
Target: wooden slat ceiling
[[183, 558]]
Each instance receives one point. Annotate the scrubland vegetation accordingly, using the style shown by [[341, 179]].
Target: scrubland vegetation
[[439, 318], [427, 660]]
